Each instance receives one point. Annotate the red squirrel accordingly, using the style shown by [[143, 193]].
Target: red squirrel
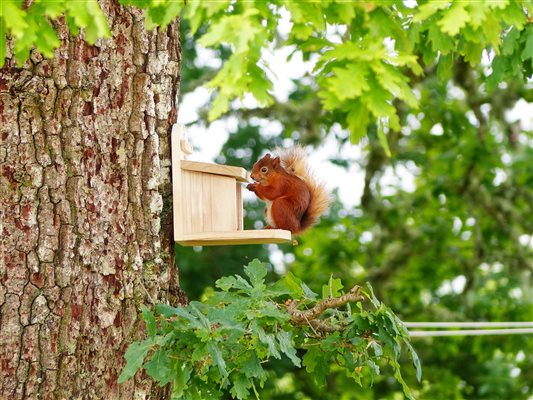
[[294, 197]]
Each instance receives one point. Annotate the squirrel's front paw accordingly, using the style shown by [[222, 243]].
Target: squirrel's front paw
[[251, 187]]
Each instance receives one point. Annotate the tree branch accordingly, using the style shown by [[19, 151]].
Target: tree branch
[[310, 316]]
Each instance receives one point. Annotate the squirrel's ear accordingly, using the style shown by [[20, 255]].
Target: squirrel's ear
[[275, 162], [267, 156]]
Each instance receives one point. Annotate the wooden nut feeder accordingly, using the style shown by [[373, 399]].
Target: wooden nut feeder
[[207, 201]]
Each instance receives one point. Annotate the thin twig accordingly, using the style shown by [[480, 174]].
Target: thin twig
[[312, 327]]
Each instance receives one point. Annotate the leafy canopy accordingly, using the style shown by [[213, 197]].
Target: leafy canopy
[[365, 54], [32, 27], [225, 341]]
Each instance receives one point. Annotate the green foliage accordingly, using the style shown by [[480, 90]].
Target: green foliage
[[158, 13], [365, 54], [371, 54], [452, 245], [466, 219], [224, 342], [32, 27]]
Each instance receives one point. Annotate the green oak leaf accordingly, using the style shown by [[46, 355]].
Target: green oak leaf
[[455, 18], [287, 348], [160, 367], [134, 356]]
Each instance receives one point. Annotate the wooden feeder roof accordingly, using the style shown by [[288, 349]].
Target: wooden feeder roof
[[217, 169]]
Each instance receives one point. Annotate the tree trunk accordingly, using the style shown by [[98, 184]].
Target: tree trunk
[[85, 203]]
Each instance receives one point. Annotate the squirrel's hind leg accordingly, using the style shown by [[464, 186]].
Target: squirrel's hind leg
[[283, 217]]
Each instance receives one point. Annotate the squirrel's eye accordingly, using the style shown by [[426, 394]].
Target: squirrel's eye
[[264, 170]]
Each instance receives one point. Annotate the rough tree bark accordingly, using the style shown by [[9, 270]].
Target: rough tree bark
[[85, 196]]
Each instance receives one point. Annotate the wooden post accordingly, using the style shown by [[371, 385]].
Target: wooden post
[[178, 134]]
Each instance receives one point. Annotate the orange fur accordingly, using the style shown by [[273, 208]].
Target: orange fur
[[295, 198]]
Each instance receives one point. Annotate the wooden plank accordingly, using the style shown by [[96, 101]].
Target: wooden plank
[[226, 170], [193, 202], [223, 203], [206, 221], [260, 236], [240, 213], [209, 203]]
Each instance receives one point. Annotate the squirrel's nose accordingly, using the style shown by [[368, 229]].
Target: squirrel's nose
[[252, 176]]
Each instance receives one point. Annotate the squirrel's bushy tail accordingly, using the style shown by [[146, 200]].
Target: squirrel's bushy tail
[[294, 161]]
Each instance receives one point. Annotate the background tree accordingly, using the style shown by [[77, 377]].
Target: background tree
[[457, 245]]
